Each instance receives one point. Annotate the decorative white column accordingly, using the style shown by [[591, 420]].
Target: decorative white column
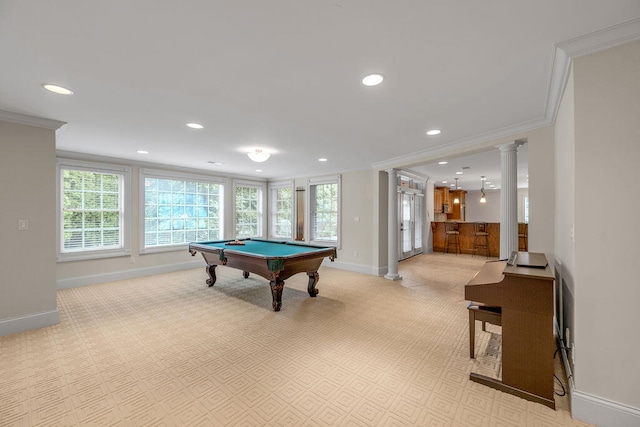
[[509, 198], [393, 225]]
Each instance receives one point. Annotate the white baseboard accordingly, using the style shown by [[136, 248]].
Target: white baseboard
[[19, 324], [596, 410], [358, 268], [75, 282], [602, 412]]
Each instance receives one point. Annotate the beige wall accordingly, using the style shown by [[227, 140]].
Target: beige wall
[[27, 258], [355, 253], [566, 182], [357, 250], [607, 290], [84, 272], [541, 191], [489, 211]]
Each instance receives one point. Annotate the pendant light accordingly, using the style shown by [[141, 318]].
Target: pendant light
[[456, 200], [483, 199]]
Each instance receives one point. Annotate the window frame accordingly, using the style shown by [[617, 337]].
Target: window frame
[[262, 206], [124, 172], [273, 187], [332, 179], [170, 175]]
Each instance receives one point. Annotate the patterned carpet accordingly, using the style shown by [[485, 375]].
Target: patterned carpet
[[168, 350]]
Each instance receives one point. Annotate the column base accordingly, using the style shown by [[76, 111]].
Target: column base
[[393, 277]]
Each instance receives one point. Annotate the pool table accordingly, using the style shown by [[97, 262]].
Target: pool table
[[273, 260]]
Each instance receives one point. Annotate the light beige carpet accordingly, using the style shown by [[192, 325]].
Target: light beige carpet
[[168, 350]]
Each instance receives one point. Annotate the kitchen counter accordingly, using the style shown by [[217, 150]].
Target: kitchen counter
[[466, 238]]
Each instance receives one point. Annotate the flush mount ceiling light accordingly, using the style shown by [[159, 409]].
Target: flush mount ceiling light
[[443, 162], [195, 125], [258, 155], [57, 89], [434, 132], [322, 159], [142, 152], [483, 199], [373, 80]]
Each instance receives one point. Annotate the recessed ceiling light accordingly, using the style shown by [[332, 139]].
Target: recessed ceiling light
[[322, 160], [452, 185], [433, 132], [195, 125], [258, 170], [487, 182], [142, 152], [442, 163], [373, 80], [57, 89], [214, 163], [444, 182], [459, 173]]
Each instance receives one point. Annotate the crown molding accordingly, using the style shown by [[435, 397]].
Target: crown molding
[[463, 145], [24, 119], [602, 39], [562, 55]]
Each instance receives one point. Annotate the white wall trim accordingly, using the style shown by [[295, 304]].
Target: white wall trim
[[75, 282], [23, 119], [462, 145], [602, 412], [358, 268], [605, 38], [562, 55], [19, 324]]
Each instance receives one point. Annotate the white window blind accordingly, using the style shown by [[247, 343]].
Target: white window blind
[[324, 210], [281, 210]]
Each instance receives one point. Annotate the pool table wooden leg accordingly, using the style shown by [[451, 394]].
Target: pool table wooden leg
[[276, 292], [313, 281], [211, 271]]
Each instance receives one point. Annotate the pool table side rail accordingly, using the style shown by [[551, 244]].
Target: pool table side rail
[[327, 251], [264, 265]]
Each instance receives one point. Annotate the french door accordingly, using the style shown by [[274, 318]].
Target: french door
[[411, 205]]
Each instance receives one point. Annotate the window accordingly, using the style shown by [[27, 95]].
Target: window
[[281, 210], [249, 209], [526, 209], [91, 217], [324, 210], [180, 208]]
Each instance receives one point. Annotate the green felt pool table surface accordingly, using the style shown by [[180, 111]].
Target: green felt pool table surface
[[273, 260], [267, 248]]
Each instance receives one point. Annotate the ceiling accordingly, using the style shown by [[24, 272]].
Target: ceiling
[[472, 168], [285, 76]]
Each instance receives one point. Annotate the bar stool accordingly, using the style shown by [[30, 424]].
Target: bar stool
[[480, 237], [523, 238], [492, 315], [452, 236]]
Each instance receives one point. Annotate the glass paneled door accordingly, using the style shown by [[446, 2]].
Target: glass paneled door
[[411, 208]]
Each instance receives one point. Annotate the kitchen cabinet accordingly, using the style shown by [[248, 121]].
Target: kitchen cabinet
[[437, 200]]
